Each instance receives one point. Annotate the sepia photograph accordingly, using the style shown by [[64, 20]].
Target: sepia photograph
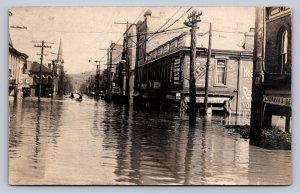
[[150, 95]]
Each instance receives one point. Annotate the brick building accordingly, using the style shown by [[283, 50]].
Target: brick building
[[272, 84]]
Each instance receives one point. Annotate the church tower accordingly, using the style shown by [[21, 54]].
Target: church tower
[[60, 70]]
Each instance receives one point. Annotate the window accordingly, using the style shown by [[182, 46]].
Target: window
[[220, 78], [283, 50]]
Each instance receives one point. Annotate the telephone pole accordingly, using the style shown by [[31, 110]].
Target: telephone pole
[[42, 46], [109, 64], [192, 22], [127, 64], [258, 58], [207, 71], [97, 79]]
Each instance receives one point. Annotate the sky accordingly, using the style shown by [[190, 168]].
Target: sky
[[84, 31]]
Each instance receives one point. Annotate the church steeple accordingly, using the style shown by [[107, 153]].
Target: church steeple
[[59, 54]]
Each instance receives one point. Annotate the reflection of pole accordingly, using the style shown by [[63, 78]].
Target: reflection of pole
[[127, 92], [193, 19], [96, 84], [109, 72], [52, 85], [207, 71], [40, 79]]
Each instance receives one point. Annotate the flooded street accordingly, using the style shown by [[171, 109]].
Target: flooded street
[[96, 142]]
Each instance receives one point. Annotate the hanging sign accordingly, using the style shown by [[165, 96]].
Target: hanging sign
[[277, 100]]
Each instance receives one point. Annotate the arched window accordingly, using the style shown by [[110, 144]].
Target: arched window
[[283, 49]]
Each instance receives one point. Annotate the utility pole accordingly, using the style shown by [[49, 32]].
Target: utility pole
[[127, 64], [42, 54], [192, 22], [258, 57], [207, 70], [97, 79]]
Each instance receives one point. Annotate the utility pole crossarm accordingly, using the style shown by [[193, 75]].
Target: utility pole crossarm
[[42, 46]]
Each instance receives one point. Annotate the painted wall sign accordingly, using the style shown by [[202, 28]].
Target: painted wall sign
[[277, 100], [245, 88], [176, 71]]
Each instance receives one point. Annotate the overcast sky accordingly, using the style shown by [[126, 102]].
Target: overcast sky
[[86, 30]]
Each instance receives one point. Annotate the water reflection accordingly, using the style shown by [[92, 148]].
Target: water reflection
[[94, 142]]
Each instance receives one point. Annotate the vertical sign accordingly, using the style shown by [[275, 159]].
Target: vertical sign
[[245, 91], [177, 71]]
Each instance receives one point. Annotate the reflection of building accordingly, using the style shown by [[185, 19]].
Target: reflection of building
[[17, 64], [162, 72], [273, 91]]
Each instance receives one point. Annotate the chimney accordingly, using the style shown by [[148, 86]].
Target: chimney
[[249, 40], [148, 13]]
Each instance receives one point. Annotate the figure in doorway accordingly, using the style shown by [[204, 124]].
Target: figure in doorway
[[183, 106]]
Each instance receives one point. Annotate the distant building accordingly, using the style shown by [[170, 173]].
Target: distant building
[[48, 78], [116, 68], [17, 66]]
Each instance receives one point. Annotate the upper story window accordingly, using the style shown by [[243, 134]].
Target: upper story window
[[220, 78], [284, 49]]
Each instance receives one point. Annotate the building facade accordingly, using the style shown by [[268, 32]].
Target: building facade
[[48, 81], [17, 67], [274, 101], [163, 75], [116, 68]]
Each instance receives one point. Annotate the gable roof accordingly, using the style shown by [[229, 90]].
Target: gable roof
[[34, 68]]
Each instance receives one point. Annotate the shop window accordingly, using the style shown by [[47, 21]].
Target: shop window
[[220, 77]]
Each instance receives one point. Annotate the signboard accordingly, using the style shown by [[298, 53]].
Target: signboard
[[176, 71], [218, 100], [277, 100], [156, 85], [143, 86], [116, 90], [178, 96], [200, 68]]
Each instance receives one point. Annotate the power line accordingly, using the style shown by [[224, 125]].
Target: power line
[[168, 20], [176, 20], [122, 35]]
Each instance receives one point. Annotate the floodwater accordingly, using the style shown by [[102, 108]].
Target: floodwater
[[98, 143]]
